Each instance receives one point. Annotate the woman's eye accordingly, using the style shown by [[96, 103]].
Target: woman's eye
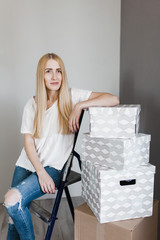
[[59, 71], [47, 71]]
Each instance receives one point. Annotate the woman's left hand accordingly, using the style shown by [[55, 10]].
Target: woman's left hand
[[74, 118]]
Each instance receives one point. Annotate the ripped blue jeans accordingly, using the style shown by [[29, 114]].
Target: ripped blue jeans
[[27, 184]]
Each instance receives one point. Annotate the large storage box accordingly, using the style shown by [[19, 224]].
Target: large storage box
[[87, 226], [121, 121], [118, 195], [119, 152]]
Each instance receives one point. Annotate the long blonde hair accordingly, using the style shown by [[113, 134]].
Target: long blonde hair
[[64, 97]]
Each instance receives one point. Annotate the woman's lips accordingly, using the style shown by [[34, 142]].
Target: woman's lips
[[54, 83]]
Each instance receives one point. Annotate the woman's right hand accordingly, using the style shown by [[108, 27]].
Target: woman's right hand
[[46, 182]]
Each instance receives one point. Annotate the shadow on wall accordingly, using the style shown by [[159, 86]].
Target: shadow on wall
[[127, 90]]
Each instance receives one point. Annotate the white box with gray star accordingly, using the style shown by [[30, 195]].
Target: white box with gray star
[[118, 195], [117, 153], [121, 121]]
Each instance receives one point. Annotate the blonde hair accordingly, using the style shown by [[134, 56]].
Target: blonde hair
[[64, 97]]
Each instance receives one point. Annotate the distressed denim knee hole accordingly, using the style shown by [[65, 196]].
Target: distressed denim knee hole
[[12, 197]]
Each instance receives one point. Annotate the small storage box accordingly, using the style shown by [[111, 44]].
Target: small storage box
[[117, 153], [118, 195], [121, 121]]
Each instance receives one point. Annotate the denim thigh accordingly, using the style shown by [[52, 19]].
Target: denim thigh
[[19, 175], [29, 186]]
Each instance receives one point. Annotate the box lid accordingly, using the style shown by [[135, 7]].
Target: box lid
[[105, 173], [103, 141], [122, 108]]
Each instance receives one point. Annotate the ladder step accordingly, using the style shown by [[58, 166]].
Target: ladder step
[[40, 212], [73, 177]]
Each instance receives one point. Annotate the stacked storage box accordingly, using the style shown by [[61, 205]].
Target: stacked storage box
[[117, 179]]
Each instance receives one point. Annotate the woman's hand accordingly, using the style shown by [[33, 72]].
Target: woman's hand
[[74, 118], [96, 99], [46, 182]]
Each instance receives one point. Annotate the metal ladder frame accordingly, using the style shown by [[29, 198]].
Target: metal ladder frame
[[69, 177]]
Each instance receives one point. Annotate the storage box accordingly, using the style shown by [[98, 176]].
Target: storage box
[[87, 226], [121, 121], [115, 195], [117, 153]]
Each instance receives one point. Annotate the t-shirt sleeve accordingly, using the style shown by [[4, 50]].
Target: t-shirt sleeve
[[28, 117], [79, 95]]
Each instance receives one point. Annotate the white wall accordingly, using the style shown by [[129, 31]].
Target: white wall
[[85, 33]]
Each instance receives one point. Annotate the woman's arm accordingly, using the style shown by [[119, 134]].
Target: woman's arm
[[45, 181], [96, 99]]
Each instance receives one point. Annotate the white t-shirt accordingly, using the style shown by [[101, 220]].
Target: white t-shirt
[[53, 148]]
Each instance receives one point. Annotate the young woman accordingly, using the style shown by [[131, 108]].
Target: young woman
[[49, 122]]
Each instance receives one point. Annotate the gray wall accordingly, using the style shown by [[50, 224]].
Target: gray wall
[[140, 69], [85, 33]]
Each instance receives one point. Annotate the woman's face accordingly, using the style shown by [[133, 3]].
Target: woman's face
[[52, 75]]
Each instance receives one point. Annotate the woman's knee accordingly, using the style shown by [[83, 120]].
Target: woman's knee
[[12, 197]]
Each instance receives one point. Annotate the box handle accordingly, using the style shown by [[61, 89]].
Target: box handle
[[128, 182]]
